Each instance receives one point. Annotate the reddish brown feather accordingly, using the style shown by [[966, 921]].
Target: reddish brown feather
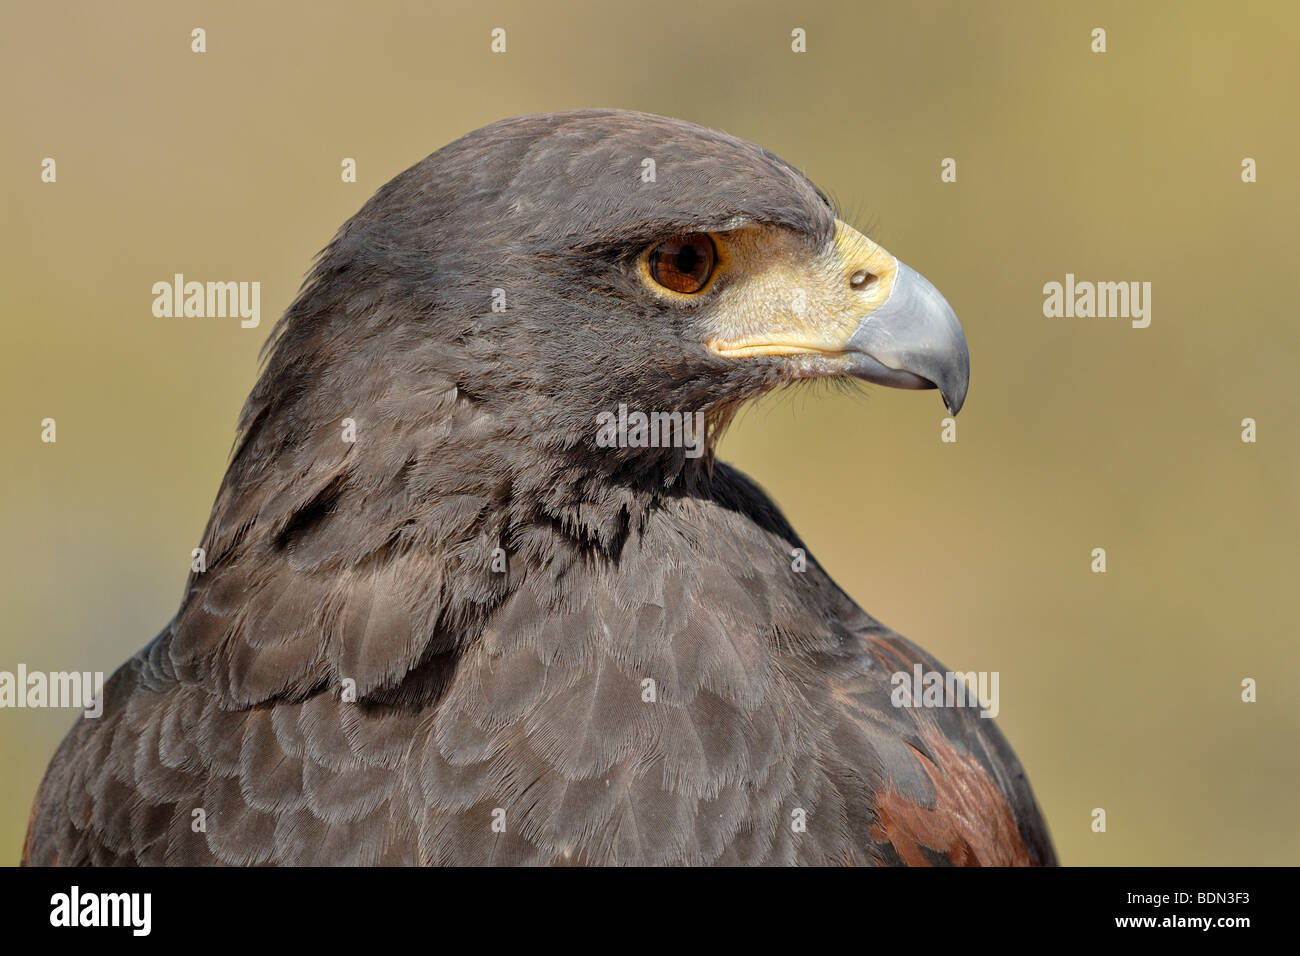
[[971, 822]]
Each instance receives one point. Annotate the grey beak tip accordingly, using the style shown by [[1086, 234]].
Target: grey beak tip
[[954, 391]]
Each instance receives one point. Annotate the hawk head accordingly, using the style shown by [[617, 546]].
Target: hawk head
[[559, 265]]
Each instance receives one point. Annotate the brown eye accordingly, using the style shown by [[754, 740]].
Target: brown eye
[[683, 263]]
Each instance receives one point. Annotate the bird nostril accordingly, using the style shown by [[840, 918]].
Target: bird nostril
[[861, 280]]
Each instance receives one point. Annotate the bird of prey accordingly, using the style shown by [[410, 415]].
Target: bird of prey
[[454, 612]]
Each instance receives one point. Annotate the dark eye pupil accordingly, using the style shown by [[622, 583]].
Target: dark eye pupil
[[688, 258]]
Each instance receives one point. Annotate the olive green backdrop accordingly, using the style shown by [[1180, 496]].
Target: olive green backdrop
[[1119, 690]]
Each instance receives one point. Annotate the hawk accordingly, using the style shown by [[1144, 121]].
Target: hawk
[[461, 607]]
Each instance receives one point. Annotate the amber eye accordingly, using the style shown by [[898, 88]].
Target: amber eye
[[683, 263]]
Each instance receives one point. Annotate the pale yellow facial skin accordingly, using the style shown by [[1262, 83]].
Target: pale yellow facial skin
[[780, 301]]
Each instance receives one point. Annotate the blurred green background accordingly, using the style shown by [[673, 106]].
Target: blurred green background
[[1119, 691]]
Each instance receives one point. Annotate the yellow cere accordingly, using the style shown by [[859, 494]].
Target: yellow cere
[[782, 301]]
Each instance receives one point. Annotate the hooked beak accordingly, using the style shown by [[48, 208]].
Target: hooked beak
[[862, 313], [912, 340]]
